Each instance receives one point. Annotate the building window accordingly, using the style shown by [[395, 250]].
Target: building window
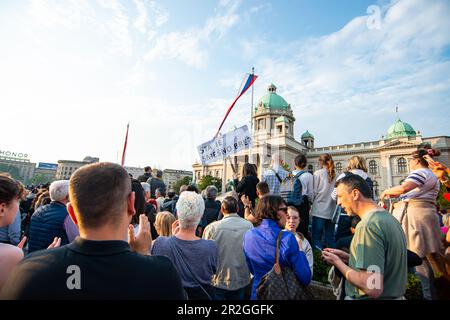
[[338, 167], [373, 167], [310, 168], [401, 164], [376, 188]]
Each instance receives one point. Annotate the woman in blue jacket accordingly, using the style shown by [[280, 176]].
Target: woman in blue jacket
[[260, 243]]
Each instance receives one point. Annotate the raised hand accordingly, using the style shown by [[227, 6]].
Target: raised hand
[[55, 244], [22, 242], [143, 241]]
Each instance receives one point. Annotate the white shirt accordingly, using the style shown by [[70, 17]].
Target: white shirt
[[323, 205], [359, 172], [428, 185]]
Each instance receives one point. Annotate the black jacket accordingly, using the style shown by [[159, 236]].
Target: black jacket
[[144, 177], [247, 186], [103, 270], [156, 183]]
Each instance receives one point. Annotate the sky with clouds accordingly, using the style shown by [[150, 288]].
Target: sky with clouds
[[73, 73]]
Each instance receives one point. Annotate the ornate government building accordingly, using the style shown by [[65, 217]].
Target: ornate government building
[[273, 131]]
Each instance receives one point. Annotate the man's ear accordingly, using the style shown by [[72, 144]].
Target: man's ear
[[356, 194], [72, 213], [130, 204]]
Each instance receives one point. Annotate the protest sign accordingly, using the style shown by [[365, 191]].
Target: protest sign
[[224, 146]]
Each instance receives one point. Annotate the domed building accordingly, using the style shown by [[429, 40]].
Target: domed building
[[273, 130], [387, 159]]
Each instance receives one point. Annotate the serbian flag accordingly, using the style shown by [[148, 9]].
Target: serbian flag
[[125, 146], [246, 84]]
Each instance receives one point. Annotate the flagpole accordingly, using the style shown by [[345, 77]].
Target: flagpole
[[125, 146], [250, 153]]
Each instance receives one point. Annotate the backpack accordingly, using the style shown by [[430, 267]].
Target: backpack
[[169, 206], [291, 189]]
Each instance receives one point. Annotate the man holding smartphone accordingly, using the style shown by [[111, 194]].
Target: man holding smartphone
[[376, 267]]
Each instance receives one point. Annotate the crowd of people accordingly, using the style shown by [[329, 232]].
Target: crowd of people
[[80, 239]]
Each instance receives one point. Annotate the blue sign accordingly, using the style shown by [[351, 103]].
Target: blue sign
[[44, 165]]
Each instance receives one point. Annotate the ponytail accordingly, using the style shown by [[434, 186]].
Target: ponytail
[[327, 161]]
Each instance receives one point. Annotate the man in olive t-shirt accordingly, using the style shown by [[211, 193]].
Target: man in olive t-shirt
[[377, 263]]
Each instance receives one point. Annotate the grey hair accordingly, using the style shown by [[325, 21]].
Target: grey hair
[[145, 186], [190, 208], [59, 190], [211, 192]]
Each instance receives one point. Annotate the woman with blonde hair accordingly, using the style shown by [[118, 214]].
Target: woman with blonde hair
[[356, 165], [323, 204], [163, 223]]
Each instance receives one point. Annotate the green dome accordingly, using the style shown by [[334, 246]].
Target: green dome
[[271, 100], [281, 119], [307, 134], [401, 129]]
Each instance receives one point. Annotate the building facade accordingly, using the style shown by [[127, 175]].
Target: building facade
[[171, 176], [18, 165], [45, 172], [135, 171], [273, 131], [67, 167]]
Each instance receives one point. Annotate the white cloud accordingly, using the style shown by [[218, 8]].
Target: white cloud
[[181, 46], [142, 18], [361, 74], [262, 7], [188, 46]]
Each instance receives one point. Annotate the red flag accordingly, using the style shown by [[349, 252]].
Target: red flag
[[125, 146]]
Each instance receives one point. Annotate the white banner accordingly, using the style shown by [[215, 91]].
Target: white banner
[[224, 146]]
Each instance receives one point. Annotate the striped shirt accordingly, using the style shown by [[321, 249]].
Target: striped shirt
[[427, 185]]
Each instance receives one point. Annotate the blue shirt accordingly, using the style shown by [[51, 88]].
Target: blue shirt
[[272, 180], [11, 234], [259, 251]]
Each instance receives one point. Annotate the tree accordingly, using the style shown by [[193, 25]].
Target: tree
[[208, 181], [40, 179], [285, 166], [184, 181], [12, 170]]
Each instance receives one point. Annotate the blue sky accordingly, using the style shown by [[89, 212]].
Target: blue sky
[[73, 73]]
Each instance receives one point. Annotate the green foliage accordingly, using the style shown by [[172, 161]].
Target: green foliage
[[286, 167], [413, 288], [321, 268], [208, 181], [12, 170], [184, 181], [40, 179]]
